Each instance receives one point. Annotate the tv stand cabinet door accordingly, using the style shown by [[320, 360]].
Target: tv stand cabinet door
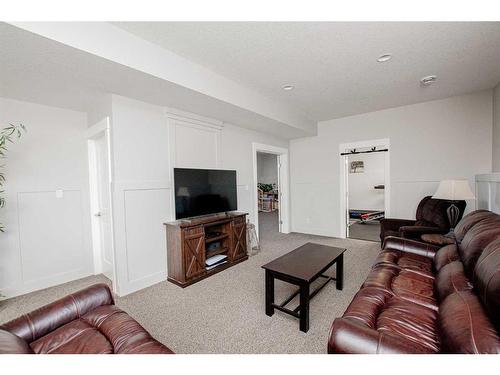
[[194, 252], [239, 238]]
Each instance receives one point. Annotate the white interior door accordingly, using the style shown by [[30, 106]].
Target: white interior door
[[103, 209]]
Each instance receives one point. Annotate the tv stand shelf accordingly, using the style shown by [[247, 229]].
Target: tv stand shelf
[[211, 253], [187, 245], [216, 238]]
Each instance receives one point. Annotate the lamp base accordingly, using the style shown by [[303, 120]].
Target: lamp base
[[453, 213], [451, 233]]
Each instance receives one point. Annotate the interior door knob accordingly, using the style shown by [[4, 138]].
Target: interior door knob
[[98, 214]]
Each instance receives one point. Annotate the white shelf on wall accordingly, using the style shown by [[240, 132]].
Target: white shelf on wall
[[488, 191]]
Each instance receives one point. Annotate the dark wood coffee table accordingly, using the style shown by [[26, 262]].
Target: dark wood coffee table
[[301, 267]]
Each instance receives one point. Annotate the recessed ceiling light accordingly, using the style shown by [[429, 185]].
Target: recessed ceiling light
[[288, 87], [428, 80], [385, 57]]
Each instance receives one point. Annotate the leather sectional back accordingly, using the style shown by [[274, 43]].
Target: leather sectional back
[[476, 240], [469, 221], [38, 323], [487, 280]]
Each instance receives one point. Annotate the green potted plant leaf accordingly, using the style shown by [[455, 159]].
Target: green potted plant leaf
[[7, 135]]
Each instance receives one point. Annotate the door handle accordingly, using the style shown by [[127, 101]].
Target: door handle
[[98, 214]]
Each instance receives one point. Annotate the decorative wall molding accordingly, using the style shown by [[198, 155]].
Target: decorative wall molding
[[188, 117]]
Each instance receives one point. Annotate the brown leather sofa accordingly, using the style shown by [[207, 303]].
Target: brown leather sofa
[[431, 217], [419, 298], [86, 322]]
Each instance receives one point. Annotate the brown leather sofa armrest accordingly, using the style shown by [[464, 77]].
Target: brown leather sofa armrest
[[38, 323], [410, 246], [11, 344], [394, 224], [350, 337], [415, 231]]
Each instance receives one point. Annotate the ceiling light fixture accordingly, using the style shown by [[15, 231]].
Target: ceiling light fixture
[[385, 57], [288, 87], [428, 80]]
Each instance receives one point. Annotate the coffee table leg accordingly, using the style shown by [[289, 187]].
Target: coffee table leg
[[304, 307], [340, 272], [269, 293]]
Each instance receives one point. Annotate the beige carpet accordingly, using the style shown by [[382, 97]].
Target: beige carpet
[[369, 231], [225, 313]]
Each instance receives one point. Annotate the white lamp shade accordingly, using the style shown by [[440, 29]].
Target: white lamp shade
[[183, 192], [454, 190]]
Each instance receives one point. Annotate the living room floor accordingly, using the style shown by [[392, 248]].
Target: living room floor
[[369, 231], [225, 313]]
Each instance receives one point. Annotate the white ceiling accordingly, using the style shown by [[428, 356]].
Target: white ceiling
[[333, 64], [40, 70]]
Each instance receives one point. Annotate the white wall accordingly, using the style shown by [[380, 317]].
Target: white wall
[[47, 241], [147, 144], [429, 141], [496, 129], [267, 168], [362, 194]]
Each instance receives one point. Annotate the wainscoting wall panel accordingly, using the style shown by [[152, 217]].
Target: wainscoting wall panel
[[52, 240], [194, 145], [488, 192], [145, 213], [307, 197]]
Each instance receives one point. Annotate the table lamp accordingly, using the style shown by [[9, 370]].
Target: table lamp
[[453, 191]]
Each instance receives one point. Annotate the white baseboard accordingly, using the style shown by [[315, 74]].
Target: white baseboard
[[138, 284], [33, 286], [316, 232]]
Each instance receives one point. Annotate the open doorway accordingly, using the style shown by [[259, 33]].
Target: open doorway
[[101, 199], [268, 196], [365, 178], [270, 176]]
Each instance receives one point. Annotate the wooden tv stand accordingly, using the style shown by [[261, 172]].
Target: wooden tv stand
[[188, 242]]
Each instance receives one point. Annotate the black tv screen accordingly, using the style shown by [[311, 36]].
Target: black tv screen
[[204, 191]]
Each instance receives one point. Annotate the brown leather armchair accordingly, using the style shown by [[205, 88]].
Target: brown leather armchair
[[431, 217]]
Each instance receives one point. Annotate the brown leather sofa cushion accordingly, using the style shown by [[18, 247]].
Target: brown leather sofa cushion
[[475, 240], [487, 280], [405, 284], [386, 324], [104, 330], [465, 327], [40, 322], [445, 255], [411, 322], [11, 344], [86, 322], [404, 260], [469, 220], [450, 279]]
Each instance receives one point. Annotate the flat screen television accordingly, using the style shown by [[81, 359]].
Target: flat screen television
[[204, 191]]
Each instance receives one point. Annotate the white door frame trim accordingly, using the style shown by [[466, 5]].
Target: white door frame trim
[[103, 127], [284, 187], [385, 142]]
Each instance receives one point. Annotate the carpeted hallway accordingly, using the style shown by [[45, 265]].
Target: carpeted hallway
[[369, 231], [225, 313]]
